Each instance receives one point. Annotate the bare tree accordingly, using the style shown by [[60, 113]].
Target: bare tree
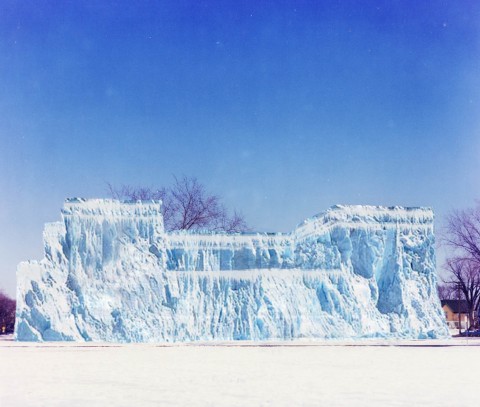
[[465, 281], [7, 314], [186, 206], [135, 194], [462, 236], [446, 292]]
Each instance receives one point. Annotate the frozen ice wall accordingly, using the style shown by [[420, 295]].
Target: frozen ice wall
[[111, 273]]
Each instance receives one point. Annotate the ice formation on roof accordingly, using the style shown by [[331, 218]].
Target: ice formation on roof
[[112, 273]]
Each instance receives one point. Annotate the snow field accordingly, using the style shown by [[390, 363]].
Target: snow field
[[238, 374]]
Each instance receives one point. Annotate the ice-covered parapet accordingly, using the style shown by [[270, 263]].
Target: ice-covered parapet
[[97, 229], [141, 218], [112, 273], [367, 217], [214, 251]]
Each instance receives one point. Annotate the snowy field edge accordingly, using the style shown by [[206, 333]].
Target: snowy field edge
[[103, 375]]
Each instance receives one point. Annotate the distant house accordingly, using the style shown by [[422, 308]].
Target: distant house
[[456, 313]]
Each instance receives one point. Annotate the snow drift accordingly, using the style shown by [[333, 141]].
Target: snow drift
[[112, 273]]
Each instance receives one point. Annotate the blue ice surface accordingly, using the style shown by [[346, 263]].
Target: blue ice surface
[[111, 273]]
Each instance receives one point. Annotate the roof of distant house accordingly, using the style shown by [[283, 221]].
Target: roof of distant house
[[457, 306]]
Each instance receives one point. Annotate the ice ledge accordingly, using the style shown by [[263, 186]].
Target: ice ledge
[[375, 214], [110, 207], [341, 214]]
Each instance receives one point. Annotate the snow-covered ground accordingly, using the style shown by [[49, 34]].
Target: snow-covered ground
[[369, 373]]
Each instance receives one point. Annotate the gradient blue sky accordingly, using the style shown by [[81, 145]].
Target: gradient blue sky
[[283, 108]]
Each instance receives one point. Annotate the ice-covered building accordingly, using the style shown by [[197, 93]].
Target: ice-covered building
[[112, 273]]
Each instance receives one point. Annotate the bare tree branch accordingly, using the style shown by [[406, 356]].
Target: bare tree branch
[[446, 292], [462, 237], [186, 206]]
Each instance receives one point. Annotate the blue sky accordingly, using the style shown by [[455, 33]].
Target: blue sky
[[283, 108]]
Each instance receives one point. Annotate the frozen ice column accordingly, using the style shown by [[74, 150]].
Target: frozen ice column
[[95, 247], [97, 230]]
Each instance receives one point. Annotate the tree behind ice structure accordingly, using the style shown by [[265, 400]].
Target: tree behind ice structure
[[446, 292], [186, 206], [7, 314], [462, 236]]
